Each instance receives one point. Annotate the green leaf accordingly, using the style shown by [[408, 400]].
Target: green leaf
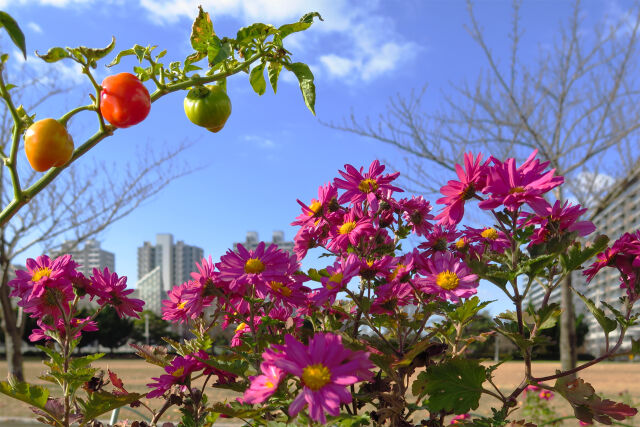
[[576, 256], [54, 54], [607, 324], [201, 31], [547, 317], [95, 54], [454, 386], [81, 362], [120, 55], [14, 31], [469, 308], [305, 78], [34, 395], [253, 31], [533, 266], [304, 23], [274, 71], [101, 402]]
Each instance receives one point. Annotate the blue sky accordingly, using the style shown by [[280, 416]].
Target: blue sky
[[272, 150]]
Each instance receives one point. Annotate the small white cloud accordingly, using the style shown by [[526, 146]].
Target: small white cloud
[[34, 27], [261, 142], [338, 66], [64, 70]]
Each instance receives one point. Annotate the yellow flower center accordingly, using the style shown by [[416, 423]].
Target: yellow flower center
[[461, 243], [517, 190], [314, 207], [253, 266], [178, 372], [280, 288], [316, 376], [368, 185], [268, 384], [240, 327], [447, 280], [181, 305], [395, 271], [489, 233], [335, 278], [40, 273], [347, 227]]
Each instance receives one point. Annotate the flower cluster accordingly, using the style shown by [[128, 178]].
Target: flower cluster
[[49, 291], [324, 367]]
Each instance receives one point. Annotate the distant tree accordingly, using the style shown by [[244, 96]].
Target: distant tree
[[577, 102], [158, 328], [78, 205], [113, 331]]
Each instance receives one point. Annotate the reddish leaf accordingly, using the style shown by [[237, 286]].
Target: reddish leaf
[[117, 382], [603, 409]]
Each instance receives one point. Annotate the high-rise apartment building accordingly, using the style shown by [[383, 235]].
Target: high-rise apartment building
[[252, 241], [619, 212], [163, 266], [89, 257]]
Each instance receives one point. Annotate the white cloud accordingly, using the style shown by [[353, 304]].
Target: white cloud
[[34, 27], [355, 43], [64, 70], [261, 142]]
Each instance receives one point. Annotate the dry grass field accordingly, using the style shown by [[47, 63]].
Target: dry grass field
[[609, 379]]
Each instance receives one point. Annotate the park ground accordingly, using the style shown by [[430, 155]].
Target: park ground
[[617, 381]]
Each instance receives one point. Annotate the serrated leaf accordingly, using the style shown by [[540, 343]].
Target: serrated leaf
[[34, 395], [201, 31], [235, 409], [588, 406], [246, 34], [15, 33], [54, 54], [273, 70], [454, 386], [467, 309], [607, 324], [156, 355], [533, 266], [81, 362], [307, 87], [576, 256], [120, 55], [101, 402], [546, 317], [304, 23], [95, 54]]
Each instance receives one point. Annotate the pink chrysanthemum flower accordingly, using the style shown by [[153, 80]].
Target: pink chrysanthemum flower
[[175, 308], [112, 290], [257, 267], [351, 230], [307, 238], [553, 221], [367, 187], [179, 371], [472, 181], [531, 387], [416, 213], [512, 187], [263, 386], [339, 276], [439, 239], [458, 419], [448, 278], [390, 296], [45, 286], [325, 368], [77, 326], [481, 239], [546, 395], [312, 214]]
